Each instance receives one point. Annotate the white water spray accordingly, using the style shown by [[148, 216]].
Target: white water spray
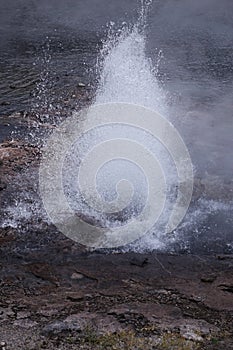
[[123, 140], [126, 73]]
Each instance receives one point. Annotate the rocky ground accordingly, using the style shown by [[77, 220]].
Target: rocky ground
[[56, 295]]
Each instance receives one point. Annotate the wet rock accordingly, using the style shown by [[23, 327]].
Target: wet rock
[[225, 256], [226, 287], [208, 278], [43, 271], [15, 155], [5, 103], [75, 296], [139, 262]]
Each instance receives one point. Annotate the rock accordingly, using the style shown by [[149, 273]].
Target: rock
[[43, 271], [3, 345], [226, 287], [194, 328], [6, 313], [25, 323], [5, 103], [139, 262], [100, 323], [47, 312], [152, 312], [166, 318], [76, 276], [2, 186], [192, 336], [225, 256], [16, 115], [196, 298], [10, 314], [76, 322], [208, 279], [81, 85], [22, 315], [74, 296]]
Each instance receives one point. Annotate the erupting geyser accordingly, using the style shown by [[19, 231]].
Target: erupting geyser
[[118, 170]]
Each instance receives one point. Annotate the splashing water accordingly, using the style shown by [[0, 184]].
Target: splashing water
[[126, 73]]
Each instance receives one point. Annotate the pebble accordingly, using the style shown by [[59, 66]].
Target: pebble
[[5, 103], [74, 296], [208, 279], [192, 336], [76, 276], [3, 345], [22, 315]]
